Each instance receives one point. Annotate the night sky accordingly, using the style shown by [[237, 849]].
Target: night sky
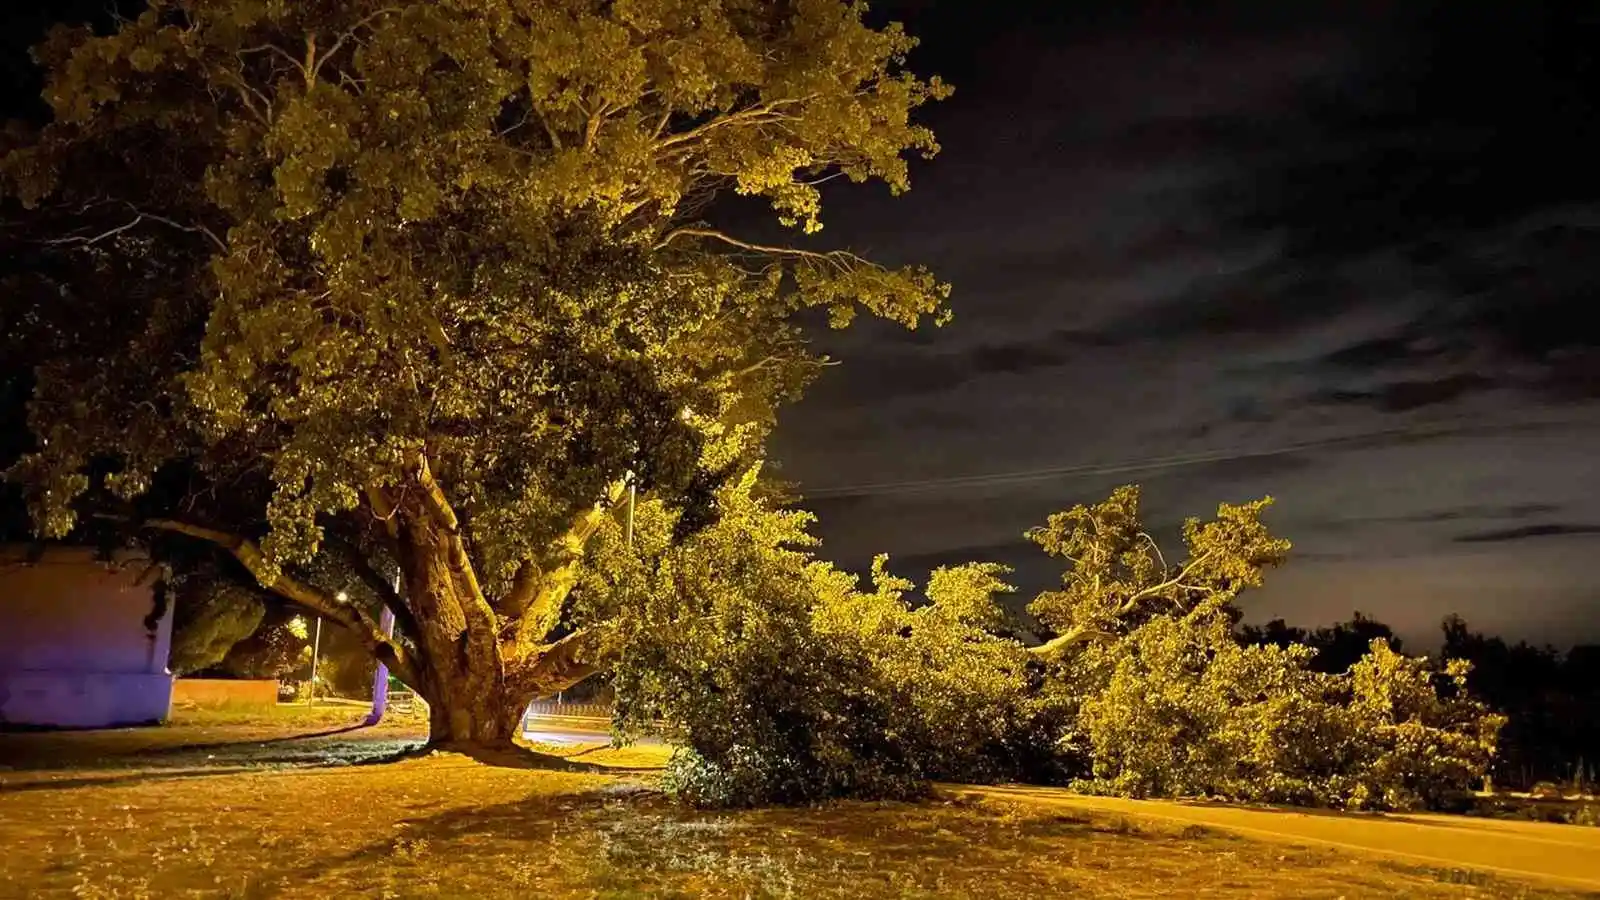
[[1341, 254]]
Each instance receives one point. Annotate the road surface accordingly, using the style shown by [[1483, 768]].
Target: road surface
[[1567, 855], [572, 730]]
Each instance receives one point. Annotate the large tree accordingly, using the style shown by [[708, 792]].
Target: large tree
[[421, 286]]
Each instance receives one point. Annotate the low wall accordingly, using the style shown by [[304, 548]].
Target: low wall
[[216, 693]]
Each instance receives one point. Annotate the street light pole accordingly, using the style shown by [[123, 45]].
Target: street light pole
[[316, 647], [633, 500]]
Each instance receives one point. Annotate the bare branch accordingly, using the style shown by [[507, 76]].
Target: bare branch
[[1084, 634], [379, 584], [524, 587], [316, 66], [444, 516], [592, 131], [1157, 589], [246, 91], [140, 216], [274, 48], [1156, 547], [537, 596], [755, 115], [196, 229], [383, 509], [840, 260], [76, 239], [1073, 637], [550, 132]]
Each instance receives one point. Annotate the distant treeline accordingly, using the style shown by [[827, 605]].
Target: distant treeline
[[1551, 699]]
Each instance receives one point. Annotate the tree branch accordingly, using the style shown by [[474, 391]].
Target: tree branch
[[754, 115], [1082, 634], [290, 588], [1073, 637], [1155, 589], [483, 626], [444, 516], [562, 664], [380, 585], [524, 586], [343, 38], [140, 216], [274, 48], [840, 260], [537, 595]]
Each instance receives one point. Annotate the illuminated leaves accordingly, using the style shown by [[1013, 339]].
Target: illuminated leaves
[[1118, 576], [369, 230], [1170, 703]]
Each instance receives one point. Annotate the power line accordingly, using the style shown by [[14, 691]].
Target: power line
[[1024, 476]]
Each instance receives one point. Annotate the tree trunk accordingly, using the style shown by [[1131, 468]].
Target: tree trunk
[[467, 722], [478, 664]]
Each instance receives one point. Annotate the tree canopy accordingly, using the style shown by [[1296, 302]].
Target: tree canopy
[[424, 285]]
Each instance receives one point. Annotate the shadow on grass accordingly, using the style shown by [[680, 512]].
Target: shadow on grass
[[63, 784], [536, 818], [633, 841], [310, 759], [181, 749]]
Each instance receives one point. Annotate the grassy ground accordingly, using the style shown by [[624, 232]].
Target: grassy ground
[[137, 814]]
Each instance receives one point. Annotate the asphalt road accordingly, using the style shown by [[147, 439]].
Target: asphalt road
[[572, 730], [1567, 855]]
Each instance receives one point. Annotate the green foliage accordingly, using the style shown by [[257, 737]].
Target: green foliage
[[1118, 577], [279, 648], [787, 682], [284, 268], [1420, 742], [210, 616], [722, 647], [959, 699], [1168, 702]]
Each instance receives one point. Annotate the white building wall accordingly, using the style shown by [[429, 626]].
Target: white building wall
[[74, 649]]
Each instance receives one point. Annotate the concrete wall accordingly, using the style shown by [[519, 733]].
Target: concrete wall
[[220, 693], [74, 649]]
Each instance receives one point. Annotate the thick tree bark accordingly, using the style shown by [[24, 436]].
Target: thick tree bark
[[483, 659], [473, 721], [478, 662], [477, 670]]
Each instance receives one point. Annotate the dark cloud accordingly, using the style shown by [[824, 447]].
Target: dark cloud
[[1526, 532], [1013, 553], [1512, 511], [1340, 253], [1461, 155], [1404, 396], [1272, 297]]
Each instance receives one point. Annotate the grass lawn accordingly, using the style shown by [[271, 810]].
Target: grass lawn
[[228, 808]]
